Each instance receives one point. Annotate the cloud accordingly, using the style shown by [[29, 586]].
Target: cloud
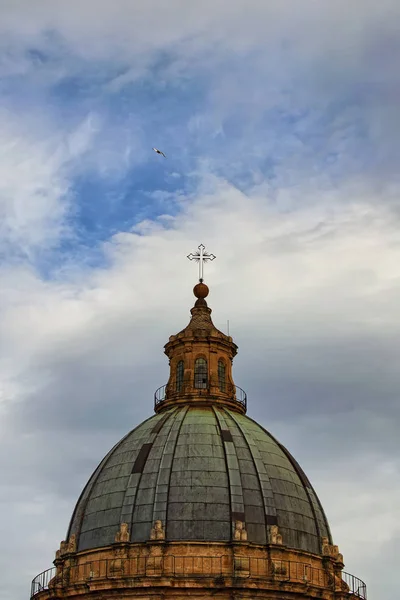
[[35, 184], [32, 189]]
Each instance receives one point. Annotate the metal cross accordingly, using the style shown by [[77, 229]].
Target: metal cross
[[201, 257]]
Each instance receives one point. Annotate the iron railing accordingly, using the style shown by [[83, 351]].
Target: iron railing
[[160, 395], [218, 568], [41, 581], [358, 588], [234, 394]]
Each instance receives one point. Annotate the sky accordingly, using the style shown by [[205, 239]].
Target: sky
[[281, 123]]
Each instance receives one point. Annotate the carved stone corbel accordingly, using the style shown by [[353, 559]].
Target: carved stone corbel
[[240, 533], [275, 536], [122, 536], [157, 531]]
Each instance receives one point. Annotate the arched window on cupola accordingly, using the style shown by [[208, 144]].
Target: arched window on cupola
[[221, 376], [200, 374], [179, 376]]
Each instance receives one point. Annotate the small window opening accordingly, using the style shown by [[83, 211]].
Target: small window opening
[[222, 376], [179, 376], [200, 374]]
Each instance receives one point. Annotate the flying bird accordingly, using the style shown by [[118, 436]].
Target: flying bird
[[159, 152]]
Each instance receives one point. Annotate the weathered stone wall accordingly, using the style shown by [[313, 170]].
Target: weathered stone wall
[[195, 570]]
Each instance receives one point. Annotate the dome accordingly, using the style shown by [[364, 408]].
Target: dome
[[198, 469], [199, 500]]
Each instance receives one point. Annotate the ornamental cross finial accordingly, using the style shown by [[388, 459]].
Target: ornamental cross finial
[[201, 257]]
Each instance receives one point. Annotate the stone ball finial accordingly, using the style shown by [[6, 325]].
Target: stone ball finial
[[201, 290]]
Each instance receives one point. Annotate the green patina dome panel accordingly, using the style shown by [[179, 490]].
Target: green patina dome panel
[[199, 469]]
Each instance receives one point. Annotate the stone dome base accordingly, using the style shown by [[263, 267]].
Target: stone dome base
[[179, 570]]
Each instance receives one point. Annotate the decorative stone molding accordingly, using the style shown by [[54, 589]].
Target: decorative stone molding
[[240, 533], [279, 568], [331, 550], [66, 547], [120, 550], [62, 550], [72, 543], [157, 531], [275, 536], [122, 536], [179, 570]]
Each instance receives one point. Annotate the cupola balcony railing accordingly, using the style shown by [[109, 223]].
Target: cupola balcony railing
[[224, 570], [232, 393]]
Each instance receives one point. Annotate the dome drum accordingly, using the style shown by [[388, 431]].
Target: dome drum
[[178, 571]]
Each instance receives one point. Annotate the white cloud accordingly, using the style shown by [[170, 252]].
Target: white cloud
[[35, 163], [32, 190]]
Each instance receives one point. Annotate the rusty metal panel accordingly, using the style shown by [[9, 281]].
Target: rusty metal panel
[[101, 518], [247, 467], [226, 435], [159, 425], [254, 514], [254, 498], [191, 450], [97, 537], [235, 479], [193, 530], [141, 459], [196, 438], [210, 479], [250, 482], [148, 480], [110, 485], [121, 458], [145, 496], [132, 484], [238, 516], [271, 519], [163, 482], [126, 511], [104, 502], [180, 511], [141, 531], [143, 512], [243, 453], [217, 530], [256, 533]]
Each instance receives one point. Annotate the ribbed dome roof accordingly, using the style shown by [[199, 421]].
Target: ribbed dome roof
[[198, 469]]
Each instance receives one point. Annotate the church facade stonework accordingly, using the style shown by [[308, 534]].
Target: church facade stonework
[[199, 501]]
